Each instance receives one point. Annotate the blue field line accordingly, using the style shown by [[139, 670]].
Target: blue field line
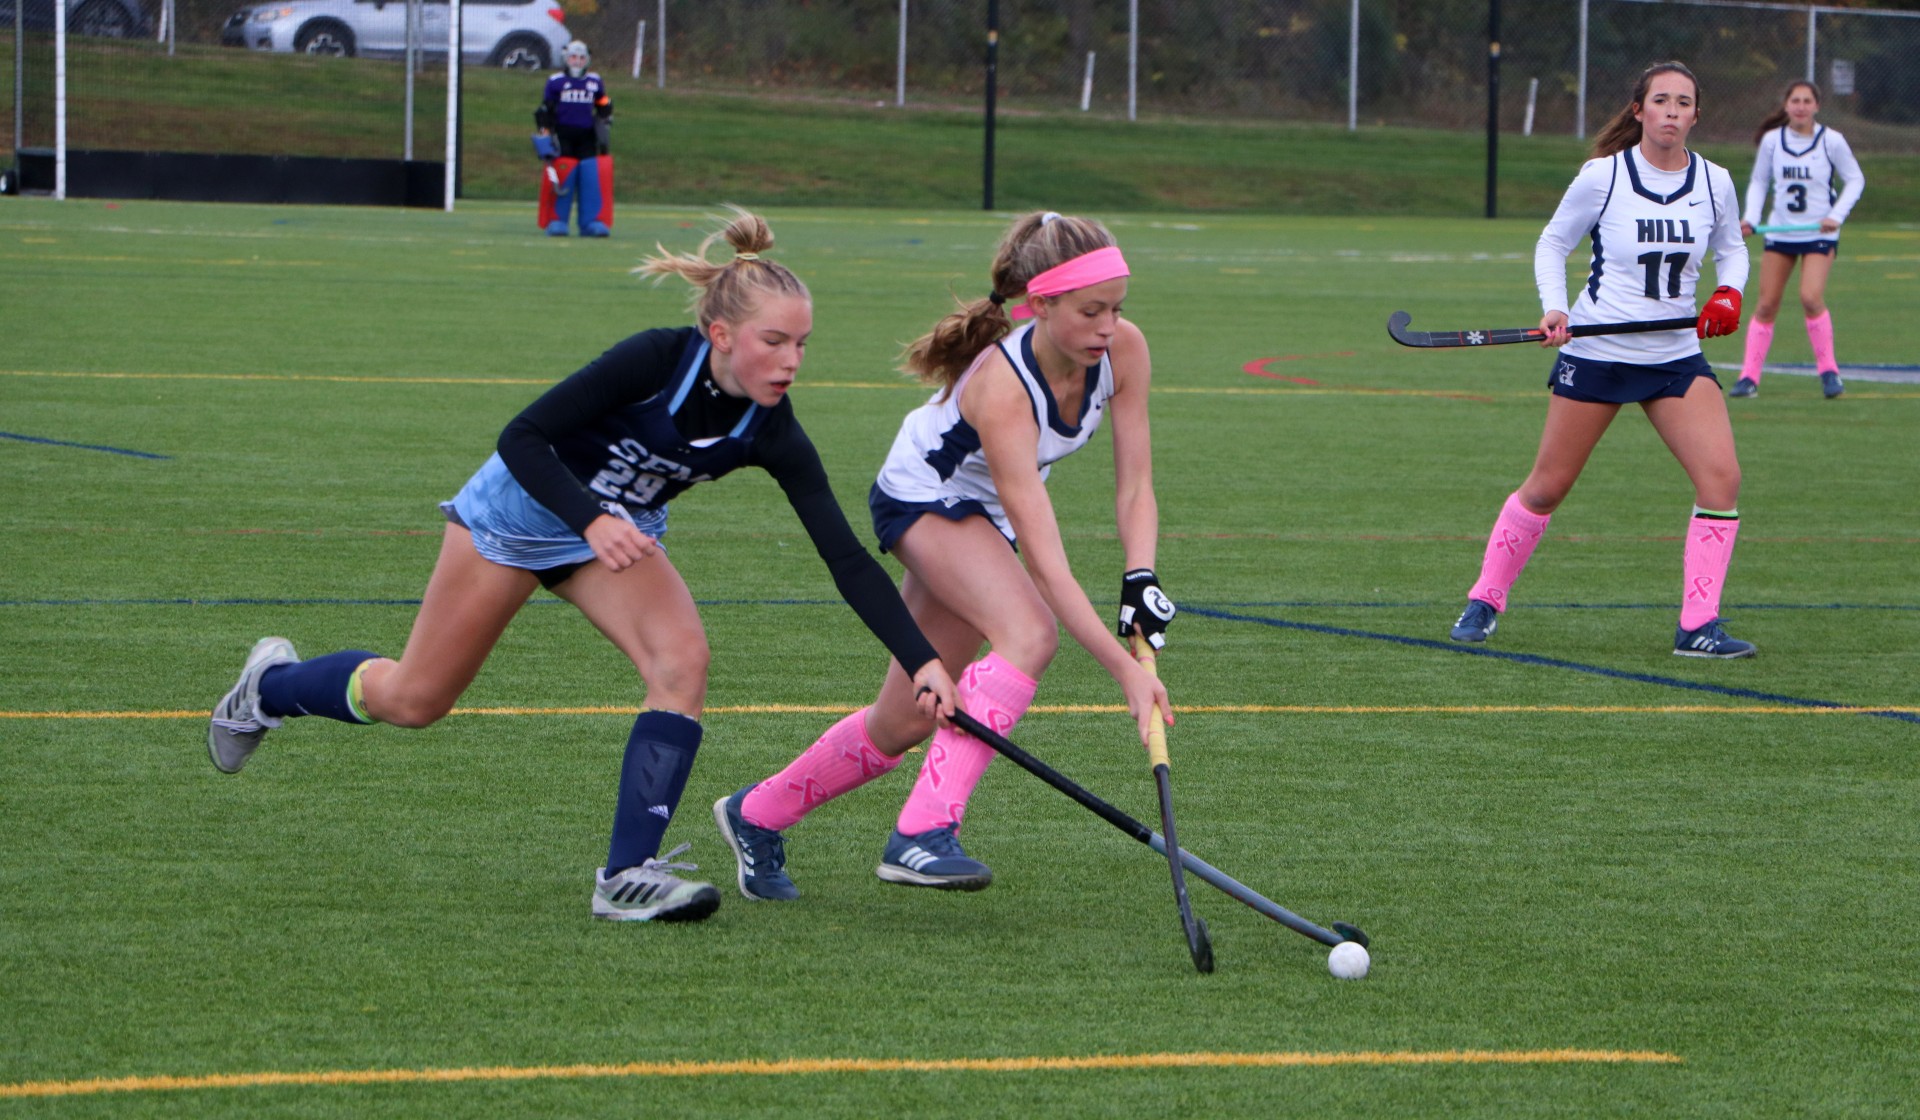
[[1547, 662], [82, 446]]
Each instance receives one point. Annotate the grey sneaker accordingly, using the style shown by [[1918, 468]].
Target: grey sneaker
[[651, 890], [1830, 384], [237, 726], [1745, 387], [761, 853]]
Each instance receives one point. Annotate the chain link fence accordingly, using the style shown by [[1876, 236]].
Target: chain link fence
[[144, 76]]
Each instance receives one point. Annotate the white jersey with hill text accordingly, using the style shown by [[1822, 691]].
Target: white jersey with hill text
[[1650, 230], [936, 456], [1800, 170]]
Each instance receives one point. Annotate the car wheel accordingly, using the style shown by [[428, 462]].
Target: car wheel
[[521, 52], [324, 36], [106, 19]]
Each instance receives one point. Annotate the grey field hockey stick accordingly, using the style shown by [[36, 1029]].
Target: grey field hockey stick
[[1219, 879], [1502, 336], [1199, 945]]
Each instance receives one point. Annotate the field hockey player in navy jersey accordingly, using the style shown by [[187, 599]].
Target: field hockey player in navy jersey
[[1653, 211], [575, 500], [964, 481]]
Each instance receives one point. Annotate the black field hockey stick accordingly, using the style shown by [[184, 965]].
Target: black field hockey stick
[[1199, 945], [1503, 336], [1227, 884]]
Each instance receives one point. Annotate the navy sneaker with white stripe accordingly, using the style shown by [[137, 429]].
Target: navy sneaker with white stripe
[[651, 890], [932, 859], [1709, 641], [760, 853], [1830, 385], [1477, 623]]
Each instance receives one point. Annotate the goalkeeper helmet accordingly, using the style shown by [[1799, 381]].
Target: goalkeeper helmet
[[575, 53]]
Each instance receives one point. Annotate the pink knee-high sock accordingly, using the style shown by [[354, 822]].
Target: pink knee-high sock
[[843, 758], [1759, 341], [1820, 334], [1509, 547], [996, 694], [1709, 550]]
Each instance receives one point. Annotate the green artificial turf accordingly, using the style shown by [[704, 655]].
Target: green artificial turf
[[1588, 845]]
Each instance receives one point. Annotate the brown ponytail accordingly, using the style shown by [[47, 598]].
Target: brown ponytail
[[1779, 116], [1034, 243], [1623, 131]]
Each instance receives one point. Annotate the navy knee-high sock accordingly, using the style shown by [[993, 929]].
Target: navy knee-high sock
[[319, 687], [652, 776]]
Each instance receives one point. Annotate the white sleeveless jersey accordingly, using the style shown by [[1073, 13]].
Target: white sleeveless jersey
[[936, 456], [1650, 230], [1801, 171]]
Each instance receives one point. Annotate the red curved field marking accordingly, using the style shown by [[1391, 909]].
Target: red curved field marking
[[1258, 367]]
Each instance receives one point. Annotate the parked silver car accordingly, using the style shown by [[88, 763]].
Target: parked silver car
[[517, 34]]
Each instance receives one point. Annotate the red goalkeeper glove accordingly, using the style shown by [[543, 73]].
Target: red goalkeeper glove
[[1721, 315]]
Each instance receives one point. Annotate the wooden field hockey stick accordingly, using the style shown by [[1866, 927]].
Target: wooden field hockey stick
[[1199, 944], [1502, 336]]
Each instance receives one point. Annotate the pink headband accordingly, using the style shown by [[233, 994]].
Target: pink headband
[[1083, 271]]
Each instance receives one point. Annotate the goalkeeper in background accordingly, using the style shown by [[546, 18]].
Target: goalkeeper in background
[[573, 140]]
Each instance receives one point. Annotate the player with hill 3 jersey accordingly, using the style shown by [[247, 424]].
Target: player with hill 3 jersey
[[575, 500], [1798, 159], [965, 479], [1653, 211], [574, 143]]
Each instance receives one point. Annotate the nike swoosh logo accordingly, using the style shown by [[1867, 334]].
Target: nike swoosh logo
[[1698, 202]]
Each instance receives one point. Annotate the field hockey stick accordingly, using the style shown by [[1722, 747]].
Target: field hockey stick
[[1199, 945], [1501, 336], [1225, 883], [1796, 227]]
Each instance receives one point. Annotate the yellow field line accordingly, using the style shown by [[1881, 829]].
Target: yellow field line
[[756, 1067], [1113, 709]]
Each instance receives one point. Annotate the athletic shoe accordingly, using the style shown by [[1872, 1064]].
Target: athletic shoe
[[237, 726], [932, 859], [1709, 641], [1477, 623], [596, 229], [761, 853], [1745, 387], [651, 890], [1830, 386], [557, 228]]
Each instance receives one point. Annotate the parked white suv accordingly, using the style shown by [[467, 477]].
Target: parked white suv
[[517, 34]]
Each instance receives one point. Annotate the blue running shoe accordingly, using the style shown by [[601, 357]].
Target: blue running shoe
[[1709, 641], [1477, 623], [1830, 386], [760, 852], [932, 859], [1745, 387], [557, 228], [596, 229]]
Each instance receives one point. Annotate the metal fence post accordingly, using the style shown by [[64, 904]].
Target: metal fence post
[[1353, 67], [900, 67]]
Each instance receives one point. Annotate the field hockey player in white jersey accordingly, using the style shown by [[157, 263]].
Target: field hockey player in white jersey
[[1798, 160], [964, 481], [1653, 210]]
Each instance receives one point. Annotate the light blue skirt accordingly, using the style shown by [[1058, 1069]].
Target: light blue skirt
[[509, 527]]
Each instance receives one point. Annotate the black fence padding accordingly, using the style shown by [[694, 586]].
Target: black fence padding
[[203, 177]]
